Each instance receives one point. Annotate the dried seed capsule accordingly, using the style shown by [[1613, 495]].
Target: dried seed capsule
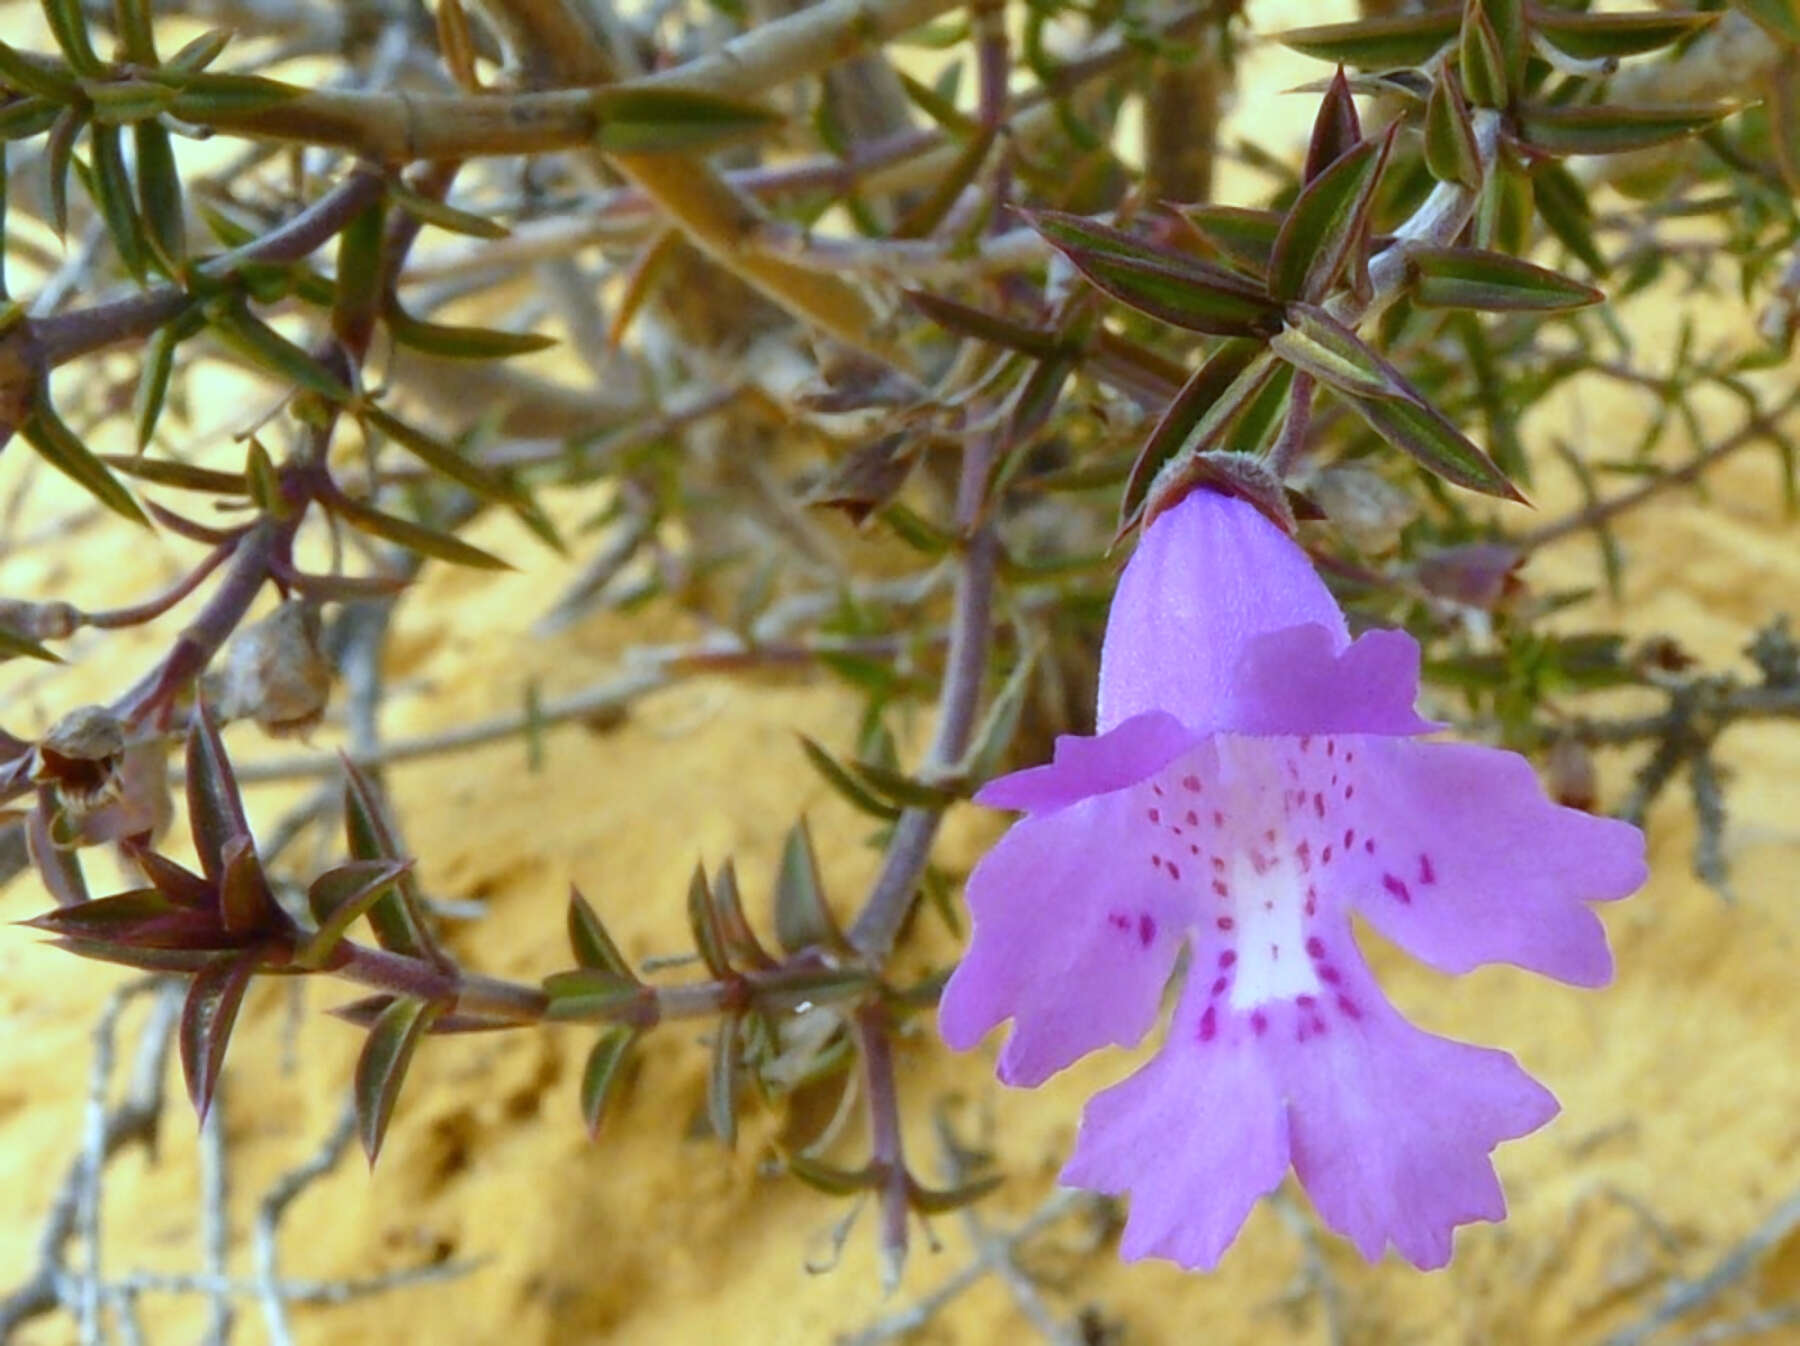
[[275, 672], [1367, 508]]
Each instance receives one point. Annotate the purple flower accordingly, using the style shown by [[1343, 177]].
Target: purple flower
[[1255, 778]]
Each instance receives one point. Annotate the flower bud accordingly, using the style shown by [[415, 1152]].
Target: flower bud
[[1479, 575], [39, 621], [275, 672]]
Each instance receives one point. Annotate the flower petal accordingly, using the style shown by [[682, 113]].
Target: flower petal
[[1075, 937], [1391, 1127], [1303, 680], [1086, 766], [1462, 860], [1210, 574], [1196, 1138]]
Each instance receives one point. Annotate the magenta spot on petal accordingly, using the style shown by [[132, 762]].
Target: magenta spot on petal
[[1259, 862], [1349, 837], [1349, 757], [1156, 862], [1193, 849], [1227, 958], [1328, 973], [1220, 887], [1191, 784], [1396, 886], [1157, 789], [1305, 742], [1156, 815], [1192, 819], [1209, 1025], [1346, 1004], [1369, 846], [1325, 856], [1218, 986], [1274, 953], [1146, 929], [1119, 921], [1303, 853], [1218, 818], [1315, 947], [1350, 792], [1174, 872], [1218, 864], [1305, 1002], [1317, 1025], [1260, 1022], [1427, 875], [1318, 804], [1225, 922]]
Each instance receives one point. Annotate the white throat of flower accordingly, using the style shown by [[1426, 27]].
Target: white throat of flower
[[1268, 888], [1270, 932]]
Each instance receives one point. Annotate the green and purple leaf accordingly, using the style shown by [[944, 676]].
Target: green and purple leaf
[[337, 898], [1378, 41], [1162, 282], [604, 1075], [396, 915], [207, 1017], [1493, 281], [1424, 434], [1599, 37], [594, 993], [1318, 344], [803, 920], [1328, 225], [215, 808], [1217, 392], [1336, 128], [588, 938], [1613, 130], [1450, 149], [381, 1069]]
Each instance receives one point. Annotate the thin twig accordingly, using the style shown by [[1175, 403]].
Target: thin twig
[[285, 1190], [215, 1223], [887, 1153], [1685, 1296], [135, 1120], [878, 923], [1757, 428], [1057, 1207], [998, 1251]]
